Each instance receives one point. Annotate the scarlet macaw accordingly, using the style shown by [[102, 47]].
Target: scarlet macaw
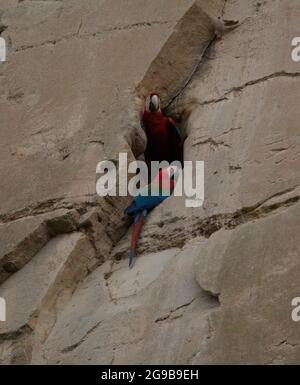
[[160, 188]]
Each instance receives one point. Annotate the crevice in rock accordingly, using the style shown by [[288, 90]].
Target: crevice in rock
[[175, 313], [212, 142], [205, 227], [77, 34], [172, 311], [191, 77], [26, 329], [278, 74], [20, 348], [173, 68], [35, 209], [213, 298], [141, 24], [2, 28], [50, 205], [229, 131], [70, 348], [116, 346], [286, 343], [275, 75]]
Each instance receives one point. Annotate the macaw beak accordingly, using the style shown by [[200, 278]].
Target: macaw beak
[[152, 107], [154, 103]]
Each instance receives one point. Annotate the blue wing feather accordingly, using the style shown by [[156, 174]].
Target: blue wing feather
[[141, 203]]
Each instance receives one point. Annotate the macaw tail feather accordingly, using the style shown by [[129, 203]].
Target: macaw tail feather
[[138, 223], [130, 209], [130, 258]]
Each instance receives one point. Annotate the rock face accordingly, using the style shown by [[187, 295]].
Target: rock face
[[253, 272], [211, 285]]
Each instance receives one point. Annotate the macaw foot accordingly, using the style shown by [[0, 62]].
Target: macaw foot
[[130, 259]]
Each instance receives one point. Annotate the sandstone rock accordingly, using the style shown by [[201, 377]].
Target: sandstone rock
[[147, 269], [210, 285], [17, 246], [132, 316], [62, 221], [243, 125], [43, 284], [253, 269], [91, 224], [59, 121], [21, 239], [180, 56]]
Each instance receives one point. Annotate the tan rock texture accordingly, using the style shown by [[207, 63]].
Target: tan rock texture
[[211, 285]]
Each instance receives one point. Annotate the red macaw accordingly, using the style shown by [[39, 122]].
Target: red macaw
[[164, 138]]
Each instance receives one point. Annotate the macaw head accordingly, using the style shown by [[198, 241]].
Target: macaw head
[[153, 103]]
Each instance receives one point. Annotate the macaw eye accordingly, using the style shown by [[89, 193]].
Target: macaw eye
[[148, 100]]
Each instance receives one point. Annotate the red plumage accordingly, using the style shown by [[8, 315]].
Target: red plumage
[[164, 141], [136, 231]]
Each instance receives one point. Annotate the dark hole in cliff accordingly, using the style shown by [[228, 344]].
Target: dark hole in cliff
[[10, 267], [107, 275], [2, 28]]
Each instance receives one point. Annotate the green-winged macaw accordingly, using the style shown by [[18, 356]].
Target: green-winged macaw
[[164, 141], [160, 188]]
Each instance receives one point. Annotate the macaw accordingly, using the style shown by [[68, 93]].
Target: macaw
[[160, 188], [164, 141]]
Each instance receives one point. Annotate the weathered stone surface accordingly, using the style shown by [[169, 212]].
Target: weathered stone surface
[[254, 271], [67, 91], [38, 277], [20, 240], [174, 66], [210, 285], [243, 125], [44, 283], [139, 317]]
